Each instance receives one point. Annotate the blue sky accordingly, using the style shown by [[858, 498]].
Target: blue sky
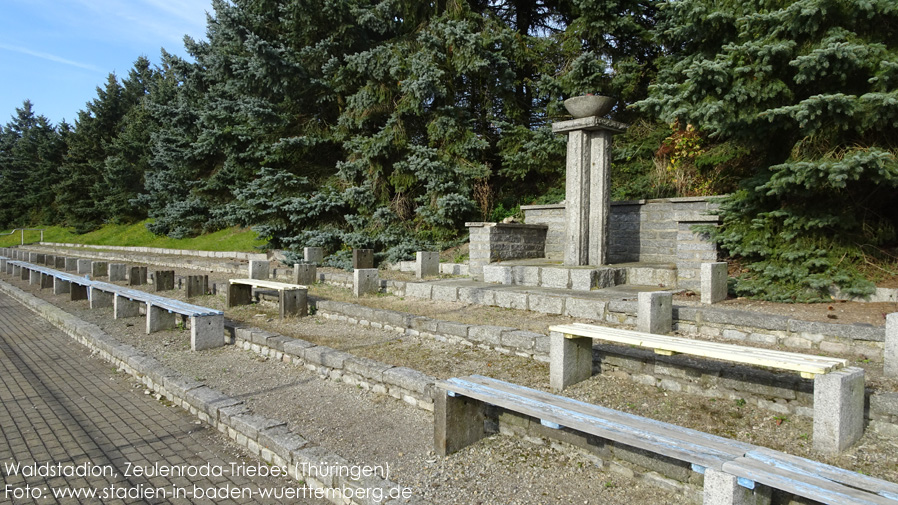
[[56, 52]]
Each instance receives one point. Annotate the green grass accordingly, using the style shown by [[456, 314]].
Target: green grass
[[137, 235]]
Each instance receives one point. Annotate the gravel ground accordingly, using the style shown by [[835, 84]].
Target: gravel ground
[[372, 429]]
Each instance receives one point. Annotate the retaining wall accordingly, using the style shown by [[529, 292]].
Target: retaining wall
[[491, 242]]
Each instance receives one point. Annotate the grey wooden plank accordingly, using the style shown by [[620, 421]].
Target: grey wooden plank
[[803, 466], [808, 486], [724, 444], [680, 448]]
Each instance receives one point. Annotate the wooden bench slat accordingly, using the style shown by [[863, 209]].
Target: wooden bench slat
[[806, 485], [754, 350], [689, 447], [741, 354], [259, 283], [784, 462]]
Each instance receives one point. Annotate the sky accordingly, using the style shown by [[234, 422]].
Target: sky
[[57, 52]]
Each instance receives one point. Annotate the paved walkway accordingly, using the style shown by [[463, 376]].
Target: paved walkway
[[64, 413]]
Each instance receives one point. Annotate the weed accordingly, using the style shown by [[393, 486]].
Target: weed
[[740, 402]]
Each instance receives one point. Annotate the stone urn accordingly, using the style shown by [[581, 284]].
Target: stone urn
[[589, 105]]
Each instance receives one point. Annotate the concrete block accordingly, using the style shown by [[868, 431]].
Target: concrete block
[[137, 276], [570, 360], [498, 274], [314, 255], [655, 312], [100, 299], [34, 277], [305, 274], [50, 260], [293, 302], [206, 332], [123, 307], [366, 280], [722, 488], [197, 285], [163, 280], [259, 269], [59, 263], [458, 422], [118, 272], [46, 281], [838, 409], [362, 259], [239, 294], [427, 264], [84, 267], [71, 264], [159, 319], [60, 286], [99, 269], [77, 292], [890, 351], [714, 282]]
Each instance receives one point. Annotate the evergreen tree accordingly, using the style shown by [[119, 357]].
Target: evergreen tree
[[809, 88]]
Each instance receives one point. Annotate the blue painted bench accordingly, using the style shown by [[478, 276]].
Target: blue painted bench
[[733, 471]]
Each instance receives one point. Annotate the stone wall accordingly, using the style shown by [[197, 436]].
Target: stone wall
[[491, 242], [648, 231]]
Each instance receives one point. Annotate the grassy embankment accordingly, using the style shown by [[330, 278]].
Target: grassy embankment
[[136, 235]]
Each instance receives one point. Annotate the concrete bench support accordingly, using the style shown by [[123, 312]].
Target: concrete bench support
[[458, 422], [50, 260], [100, 299], [137, 276], [362, 258], [61, 286], [570, 360], [164, 280], [118, 272], [313, 255], [714, 282], [34, 277], [364, 281], [46, 281], [305, 274], [77, 292], [84, 267], [25, 274], [838, 409], [722, 488], [259, 269], [71, 264], [206, 332], [159, 319], [99, 269], [123, 307], [239, 294], [59, 263], [890, 353], [293, 302], [427, 264], [655, 312], [197, 285]]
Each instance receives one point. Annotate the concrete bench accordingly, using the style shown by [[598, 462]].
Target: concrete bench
[[206, 325], [838, 390], [734, 472], [292, 298]]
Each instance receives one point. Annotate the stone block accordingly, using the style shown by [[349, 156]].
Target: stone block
[[512, 300], [59, 262], [305, 274], [498, 274], [137, 276], [118, 272], [838, 409], [123, 307], [163, 280], [84, 267], [714, 282], [582, 279], [890, 351], [314, 255], [259, 269], [555, 277], [100, 299], [570, 360], [427, 264], [71, 264], [159, 319], [458, 422], [546, 304], [419, 290], [362, 259], [585, 308], [294, 302], [721, 488], [444, 293], [197, 285], [365, 281], [206, 332], [99, 269], [655, 312], [61, 286]]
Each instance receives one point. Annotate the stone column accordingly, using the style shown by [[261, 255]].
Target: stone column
[[587, 184], [654, 312], [313, 255], [838, 409]]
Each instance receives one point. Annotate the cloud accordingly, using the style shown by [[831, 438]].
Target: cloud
[[49, 57]]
